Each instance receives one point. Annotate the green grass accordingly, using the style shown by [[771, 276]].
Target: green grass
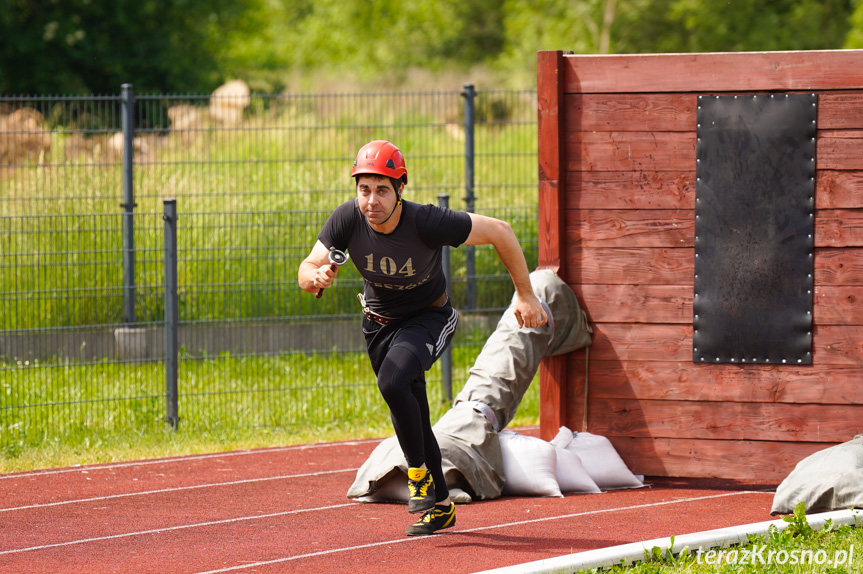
[[158, 441], [796, 549], [250, 201], [109, 411]]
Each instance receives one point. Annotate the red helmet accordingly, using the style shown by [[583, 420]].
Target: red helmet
[[380, 157]]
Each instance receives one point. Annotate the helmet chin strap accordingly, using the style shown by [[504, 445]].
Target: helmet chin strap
[[398, 203]]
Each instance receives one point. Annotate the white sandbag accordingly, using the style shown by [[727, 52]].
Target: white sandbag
[[571, 475], [830, 479], [503, 371], [599, 459], [529, 465]]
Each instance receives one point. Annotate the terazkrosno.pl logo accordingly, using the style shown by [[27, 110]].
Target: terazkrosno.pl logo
[[764, 556]]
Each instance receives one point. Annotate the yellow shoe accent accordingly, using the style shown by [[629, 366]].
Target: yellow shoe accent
[[420, 489], [437, 518], [416, 474]]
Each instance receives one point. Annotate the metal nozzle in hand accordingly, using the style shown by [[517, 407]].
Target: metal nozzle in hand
[[337, 259]]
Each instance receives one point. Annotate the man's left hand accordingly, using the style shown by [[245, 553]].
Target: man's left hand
[[529, 312]]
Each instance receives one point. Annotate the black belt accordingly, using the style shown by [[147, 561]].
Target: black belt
[[380, 319]]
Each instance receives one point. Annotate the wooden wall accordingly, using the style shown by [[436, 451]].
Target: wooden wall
[[617, 196]]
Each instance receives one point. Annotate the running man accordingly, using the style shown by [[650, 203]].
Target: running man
[[396, 246]]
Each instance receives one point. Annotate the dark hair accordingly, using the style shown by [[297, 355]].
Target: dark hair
[[393, 180]]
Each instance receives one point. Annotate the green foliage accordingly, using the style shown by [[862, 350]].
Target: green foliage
[[731, 26], [380, 39], [547, 25], [796, 549], [385, 39], [193, 45], [657, 557], [82, 46], [797, 523], [855, 35]]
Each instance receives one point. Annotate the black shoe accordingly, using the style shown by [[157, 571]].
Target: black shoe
[[435, 519], [421, 488]]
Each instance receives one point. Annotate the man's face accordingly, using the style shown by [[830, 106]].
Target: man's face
[[377, 198]]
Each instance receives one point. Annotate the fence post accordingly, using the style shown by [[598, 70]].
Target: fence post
[[446, 358], [171, 317], [470, 252], [127, 118]]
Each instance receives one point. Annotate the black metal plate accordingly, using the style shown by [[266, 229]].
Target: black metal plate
[[754, 229]]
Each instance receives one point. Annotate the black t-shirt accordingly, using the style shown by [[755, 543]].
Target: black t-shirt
[[402, 270]]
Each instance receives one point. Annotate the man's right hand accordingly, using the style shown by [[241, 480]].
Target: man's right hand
[[315, 272], [325, 275]]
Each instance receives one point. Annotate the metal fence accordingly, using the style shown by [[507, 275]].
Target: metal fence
[[83, 184]]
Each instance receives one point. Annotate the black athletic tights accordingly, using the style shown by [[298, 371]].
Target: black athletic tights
[[401, 380]]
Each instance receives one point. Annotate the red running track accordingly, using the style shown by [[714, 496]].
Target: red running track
[[285, 510]]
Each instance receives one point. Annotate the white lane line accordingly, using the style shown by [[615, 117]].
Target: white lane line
[[187, 458], [174, 528], [176, 489], [477, 529]]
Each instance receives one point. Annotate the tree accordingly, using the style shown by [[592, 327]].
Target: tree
[[82, 46], [732, 25], [386, 38], [531, 25], [85, 46], [855, 35]]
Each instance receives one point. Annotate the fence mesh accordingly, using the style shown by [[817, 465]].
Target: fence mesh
[[254, 178]]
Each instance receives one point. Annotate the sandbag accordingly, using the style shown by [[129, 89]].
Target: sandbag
[[599, 458], [830, 479], [529, 465], [468, 433]]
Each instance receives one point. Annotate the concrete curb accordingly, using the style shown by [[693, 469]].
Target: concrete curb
[[719, 538]]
